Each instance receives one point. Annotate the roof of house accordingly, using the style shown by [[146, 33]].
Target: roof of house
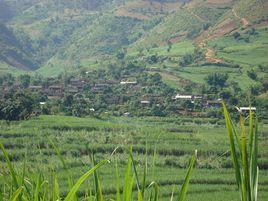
[[180, 96], [241, 109]]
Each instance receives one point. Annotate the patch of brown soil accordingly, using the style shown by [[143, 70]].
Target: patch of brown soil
[[243, 21], [175, 39], [210, 56], [224, 28]]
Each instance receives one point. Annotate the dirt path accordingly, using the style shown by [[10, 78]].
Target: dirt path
[[210, 56], [243, 21]]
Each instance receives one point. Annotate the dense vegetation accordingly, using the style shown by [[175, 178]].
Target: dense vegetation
[[125, 91], [161, 145], [130, 90]]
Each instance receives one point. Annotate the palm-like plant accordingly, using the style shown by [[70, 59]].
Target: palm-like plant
[[244, 152]]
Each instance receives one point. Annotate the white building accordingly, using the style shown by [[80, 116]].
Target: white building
[[246, 109], [181, 96]]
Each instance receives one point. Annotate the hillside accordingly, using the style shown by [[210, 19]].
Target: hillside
[[53, 37], [13, 53]]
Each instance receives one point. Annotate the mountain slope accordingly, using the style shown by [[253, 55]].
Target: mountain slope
[[12, 53], [66, 35]]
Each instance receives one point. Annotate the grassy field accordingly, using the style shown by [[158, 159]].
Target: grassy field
[[249, 50], [174, 140]]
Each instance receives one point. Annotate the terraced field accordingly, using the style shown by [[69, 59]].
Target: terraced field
[[172, 139]]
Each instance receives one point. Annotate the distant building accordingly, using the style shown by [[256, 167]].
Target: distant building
[[246, 109], [181, 96], [72, 90], [54, 90], [77, 83], [129, 82], [145, 102], [126, 114]]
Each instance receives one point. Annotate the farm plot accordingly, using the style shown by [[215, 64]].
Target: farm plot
[[172, 139]]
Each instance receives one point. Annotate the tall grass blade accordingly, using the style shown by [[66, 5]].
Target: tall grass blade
[[16, 194], [245, 156], [10, 167], [56, 191], [58, 153], [127, 188], [172, 194], [98, 188], [155, 194], [234, 155], [135, 170], [37, 188], [70, 179], [118, 194], [186, 182], [77, 185]]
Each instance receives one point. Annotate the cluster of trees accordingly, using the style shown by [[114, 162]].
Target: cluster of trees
[[19, 105], [246, 36], [188, 59]]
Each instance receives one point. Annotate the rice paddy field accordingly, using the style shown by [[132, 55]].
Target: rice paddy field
[[162, 145]]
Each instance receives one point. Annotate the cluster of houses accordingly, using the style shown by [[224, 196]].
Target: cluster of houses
[[205, 101], [74, 86]]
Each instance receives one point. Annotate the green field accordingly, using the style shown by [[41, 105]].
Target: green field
[[248, 50], [174, 140]]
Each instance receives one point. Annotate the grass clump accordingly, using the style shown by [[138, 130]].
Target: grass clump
[[244, 153], [20, 187]]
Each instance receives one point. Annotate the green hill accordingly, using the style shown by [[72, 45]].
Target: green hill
[[58, 36]]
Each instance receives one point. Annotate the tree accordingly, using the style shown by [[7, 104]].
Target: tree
[[18, 106], [153, 59], [216, 81], [186, 60], [236, 35], [25, 80], [252, 74], [169, 43], [121, 55]]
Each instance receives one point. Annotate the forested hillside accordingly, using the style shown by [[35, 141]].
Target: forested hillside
[[54, 36]]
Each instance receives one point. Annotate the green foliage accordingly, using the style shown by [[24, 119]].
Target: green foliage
[[37, 193], [162, 138], [18, 106], [244, 151], [252, 74], [216, 81]]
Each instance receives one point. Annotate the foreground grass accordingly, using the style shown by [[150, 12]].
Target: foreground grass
[[20, 187], [172, 139]]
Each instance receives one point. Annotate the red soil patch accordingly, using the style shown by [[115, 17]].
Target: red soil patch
[[175, 40], [223, 29], [244, 22], [210, 56]]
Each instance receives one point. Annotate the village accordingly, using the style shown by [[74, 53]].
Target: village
[[187, 104]]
